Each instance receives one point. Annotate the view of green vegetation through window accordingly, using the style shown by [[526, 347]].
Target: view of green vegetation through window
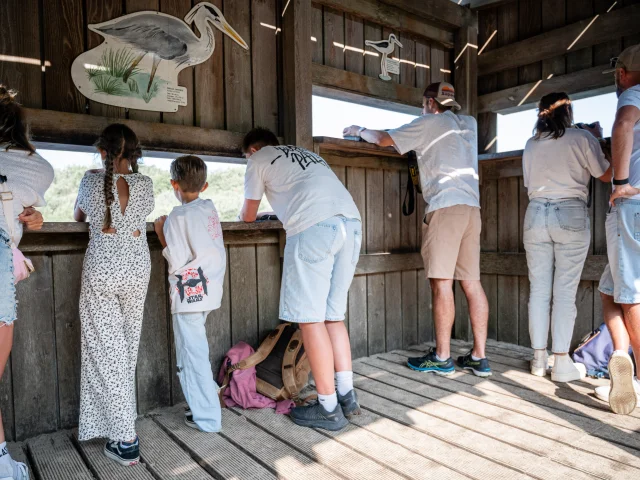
[[226, 189]]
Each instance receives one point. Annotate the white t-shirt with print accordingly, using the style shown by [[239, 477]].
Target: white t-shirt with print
[[631, 97], [196, 256], [446, 145], [562, 168], [300, 186]]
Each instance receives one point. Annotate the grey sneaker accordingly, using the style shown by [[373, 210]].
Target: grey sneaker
[[315, 416], [349, 403]]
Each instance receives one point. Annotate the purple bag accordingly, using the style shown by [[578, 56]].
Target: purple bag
[[594, 352]]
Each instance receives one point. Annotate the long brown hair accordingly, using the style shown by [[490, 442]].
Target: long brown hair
[[555, 115], [14, 132], [118, 141]]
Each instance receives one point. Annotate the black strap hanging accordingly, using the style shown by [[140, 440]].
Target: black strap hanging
[[413, 185]]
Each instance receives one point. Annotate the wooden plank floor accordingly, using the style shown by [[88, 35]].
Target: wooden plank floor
[[413, 426]]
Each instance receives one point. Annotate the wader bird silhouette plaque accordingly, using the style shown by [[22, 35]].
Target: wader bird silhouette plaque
[[137, 65]]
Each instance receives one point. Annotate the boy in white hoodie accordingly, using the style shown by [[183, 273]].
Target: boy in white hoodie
[[192, 240]]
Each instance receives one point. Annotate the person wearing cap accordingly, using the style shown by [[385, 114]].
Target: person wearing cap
[[446, 148], [620, 282]]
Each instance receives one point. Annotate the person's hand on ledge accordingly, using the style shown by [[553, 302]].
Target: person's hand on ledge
[[31, 218], [352, 131]]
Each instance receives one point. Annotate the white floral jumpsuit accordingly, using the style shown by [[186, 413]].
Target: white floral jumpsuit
[[115, 278]]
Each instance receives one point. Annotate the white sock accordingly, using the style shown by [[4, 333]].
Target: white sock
[[474, 358], [344, 381], [329, 402], [440, 359], [4, 454]]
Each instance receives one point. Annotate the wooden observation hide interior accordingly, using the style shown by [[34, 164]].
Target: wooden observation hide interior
[[311, 47]]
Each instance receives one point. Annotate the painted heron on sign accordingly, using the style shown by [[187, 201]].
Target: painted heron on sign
[[168, 38], [385, 47]]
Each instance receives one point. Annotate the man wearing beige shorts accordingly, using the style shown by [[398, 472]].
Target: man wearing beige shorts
[[446, 147]]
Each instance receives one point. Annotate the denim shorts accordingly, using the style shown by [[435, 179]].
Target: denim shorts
[[319, 264], [8, 304], [621, 277]]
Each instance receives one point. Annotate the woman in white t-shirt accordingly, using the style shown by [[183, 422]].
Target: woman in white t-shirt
[[24, 177], [558, 163]]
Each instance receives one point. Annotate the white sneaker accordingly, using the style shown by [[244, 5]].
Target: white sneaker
[[540, 363], [623, 397], [564, 370], [602, 393], [7, 471]]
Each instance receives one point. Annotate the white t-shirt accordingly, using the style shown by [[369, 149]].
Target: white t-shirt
[[196, 256], [562, 168], [28, 178], [446, 145], [300, 186], [631, 96]]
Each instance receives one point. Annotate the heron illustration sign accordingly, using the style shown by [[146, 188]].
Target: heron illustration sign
[[137, 65], [386, 47]]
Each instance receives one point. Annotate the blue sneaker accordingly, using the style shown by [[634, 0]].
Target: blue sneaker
[[125, 453], [431, 363], [480, 368]]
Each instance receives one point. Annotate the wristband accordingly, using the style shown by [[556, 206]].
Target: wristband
[[621, 182], [362, 129]]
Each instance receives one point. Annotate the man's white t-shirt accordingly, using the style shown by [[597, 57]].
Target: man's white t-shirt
[[631, 97], [300, 186], [446, 145], [196, 256], [562, 167]]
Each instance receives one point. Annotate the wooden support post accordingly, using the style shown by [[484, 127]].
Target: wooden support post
[[296, 55], [466, 69]]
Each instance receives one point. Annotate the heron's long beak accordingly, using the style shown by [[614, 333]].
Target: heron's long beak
[[398, 43], [224, 27]]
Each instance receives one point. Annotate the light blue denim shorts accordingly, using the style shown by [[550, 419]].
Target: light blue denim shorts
[[319, 264], [8, 304], [621, 277]]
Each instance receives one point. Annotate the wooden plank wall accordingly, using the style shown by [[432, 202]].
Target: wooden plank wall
[[338, 41], [392, 310], [235, 89]]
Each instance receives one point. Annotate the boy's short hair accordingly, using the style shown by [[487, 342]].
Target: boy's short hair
[[259, 137], [190, 172]]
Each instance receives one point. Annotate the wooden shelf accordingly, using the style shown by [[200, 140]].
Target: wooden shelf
[[83, 227]]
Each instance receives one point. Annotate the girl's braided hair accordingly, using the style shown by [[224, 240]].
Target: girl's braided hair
[[555, 115], [118, 142]]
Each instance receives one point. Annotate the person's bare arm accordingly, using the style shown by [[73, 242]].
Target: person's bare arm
[[158, 226], [249, 211], [606, 178], [78, 214], [621, 147], [379, 137]]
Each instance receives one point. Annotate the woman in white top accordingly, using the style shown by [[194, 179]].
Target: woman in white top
[[558, 163], [24, 178]]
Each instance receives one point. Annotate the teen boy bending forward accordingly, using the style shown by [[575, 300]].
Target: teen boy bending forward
[[324, 234], [192, 239]]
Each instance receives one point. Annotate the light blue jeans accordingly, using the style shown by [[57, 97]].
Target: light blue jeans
[[319, 264], [194, 370], [556, 236], [8, 304], [621, 278]]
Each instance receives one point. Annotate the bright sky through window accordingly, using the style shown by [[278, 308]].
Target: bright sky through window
[[515, 129]]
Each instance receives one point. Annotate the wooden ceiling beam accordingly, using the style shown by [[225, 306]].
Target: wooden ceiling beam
[[49, 126], [392, 17], [561, 41], [579, 84], [441, 11]]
